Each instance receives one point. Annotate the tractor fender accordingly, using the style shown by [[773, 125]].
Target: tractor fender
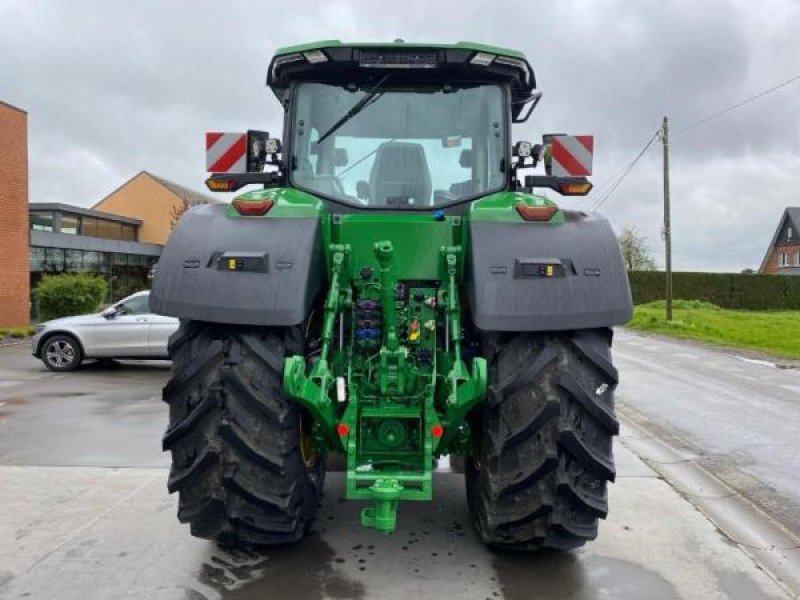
[[544, 277], [248, 270]]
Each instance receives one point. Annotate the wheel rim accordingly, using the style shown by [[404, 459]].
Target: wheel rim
[[307, 451], [60, 353]]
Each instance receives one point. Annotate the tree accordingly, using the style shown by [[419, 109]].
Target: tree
[[176, 212], [634, 251]]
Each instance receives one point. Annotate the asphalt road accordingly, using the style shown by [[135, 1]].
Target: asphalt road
[[737, 416], [85, 514]]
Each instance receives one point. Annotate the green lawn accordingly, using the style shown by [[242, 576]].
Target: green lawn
[[773, 332]]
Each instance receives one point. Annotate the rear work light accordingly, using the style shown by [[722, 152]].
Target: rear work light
[[536, 213], [252, 208]]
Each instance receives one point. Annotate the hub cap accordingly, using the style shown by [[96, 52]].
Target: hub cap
[[60, 353]]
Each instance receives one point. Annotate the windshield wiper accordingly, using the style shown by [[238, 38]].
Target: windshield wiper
[[368, 99]]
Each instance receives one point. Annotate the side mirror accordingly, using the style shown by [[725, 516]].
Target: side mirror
[[362, 190], [110, 312]]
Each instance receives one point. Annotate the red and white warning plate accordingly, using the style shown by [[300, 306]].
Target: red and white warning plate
[[226, 152], [572, 155]]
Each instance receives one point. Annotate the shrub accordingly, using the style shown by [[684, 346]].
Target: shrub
[[726, 290], [69, 294]]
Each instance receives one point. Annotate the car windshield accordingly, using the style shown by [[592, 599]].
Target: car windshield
[[398, 147]]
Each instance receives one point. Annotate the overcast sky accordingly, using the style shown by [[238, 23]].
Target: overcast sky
[[113, 88]]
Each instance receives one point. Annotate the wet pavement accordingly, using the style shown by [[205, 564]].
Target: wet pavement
[[102, 415], [85, 514], [737, 416]]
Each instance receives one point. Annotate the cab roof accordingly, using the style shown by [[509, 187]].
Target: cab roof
[[337, 62], [474, 46]]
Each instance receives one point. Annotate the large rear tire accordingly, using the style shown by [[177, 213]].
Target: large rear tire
[[543, 457], [242, 472]]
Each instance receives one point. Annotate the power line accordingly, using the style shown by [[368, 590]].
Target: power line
[[620, 177], [624, 173], [725, 111]]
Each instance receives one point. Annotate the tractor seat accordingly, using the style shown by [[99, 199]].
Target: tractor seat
[[400, 176]]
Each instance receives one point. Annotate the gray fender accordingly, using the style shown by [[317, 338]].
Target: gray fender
[[538, 277], [278, 270]]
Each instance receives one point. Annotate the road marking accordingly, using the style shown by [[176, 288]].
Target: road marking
[[757, 361]]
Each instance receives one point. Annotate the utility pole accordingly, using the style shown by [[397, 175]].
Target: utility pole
[[667, 226]]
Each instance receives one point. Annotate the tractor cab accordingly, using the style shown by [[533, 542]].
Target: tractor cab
[[396, 127]]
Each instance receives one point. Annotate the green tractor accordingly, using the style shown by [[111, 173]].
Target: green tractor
[[393, 292]]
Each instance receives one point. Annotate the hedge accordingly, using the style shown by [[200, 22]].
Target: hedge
[[728, 290], [69, 294]]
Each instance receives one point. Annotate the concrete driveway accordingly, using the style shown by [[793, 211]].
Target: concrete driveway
[[85, 514]]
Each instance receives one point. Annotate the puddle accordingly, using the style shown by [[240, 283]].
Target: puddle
[[577, 576], [304, 570], [739, 586]]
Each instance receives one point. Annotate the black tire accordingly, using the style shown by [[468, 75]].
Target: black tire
[[61, 353], [237, 461], [539, 473]]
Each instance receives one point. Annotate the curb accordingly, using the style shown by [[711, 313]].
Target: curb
[[772, 547]]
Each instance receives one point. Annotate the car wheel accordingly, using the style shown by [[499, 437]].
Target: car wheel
[[61, 353]]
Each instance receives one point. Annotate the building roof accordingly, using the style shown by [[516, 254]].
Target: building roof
[[189, 196], [17, 108], [792, 213], [86, 212]]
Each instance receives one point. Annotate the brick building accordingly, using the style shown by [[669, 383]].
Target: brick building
[[14, 290], [783, 254], [120, 238]]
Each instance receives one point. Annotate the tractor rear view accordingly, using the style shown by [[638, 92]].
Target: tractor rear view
[[393, 292]]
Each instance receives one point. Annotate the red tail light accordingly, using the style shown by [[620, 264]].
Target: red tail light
[[252, 208], [536, 213]]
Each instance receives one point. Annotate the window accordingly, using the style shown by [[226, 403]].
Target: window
[[74, 260], [54, 260], [41, 221], [783, 259], [797, 258], [129, 233], [110, 230], [70, 224], [412, 146], [138, 305], [89, 227], [37, 259], [789, 232]]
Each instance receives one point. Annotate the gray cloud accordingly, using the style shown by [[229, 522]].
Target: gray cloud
[[114, 88]]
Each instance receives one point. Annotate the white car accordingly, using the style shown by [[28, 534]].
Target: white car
[[125, 330]]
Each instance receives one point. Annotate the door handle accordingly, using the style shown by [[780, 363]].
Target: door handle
[[142, 320]]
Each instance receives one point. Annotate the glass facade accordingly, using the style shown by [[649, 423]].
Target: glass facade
[[126, 273], [73, 224]]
